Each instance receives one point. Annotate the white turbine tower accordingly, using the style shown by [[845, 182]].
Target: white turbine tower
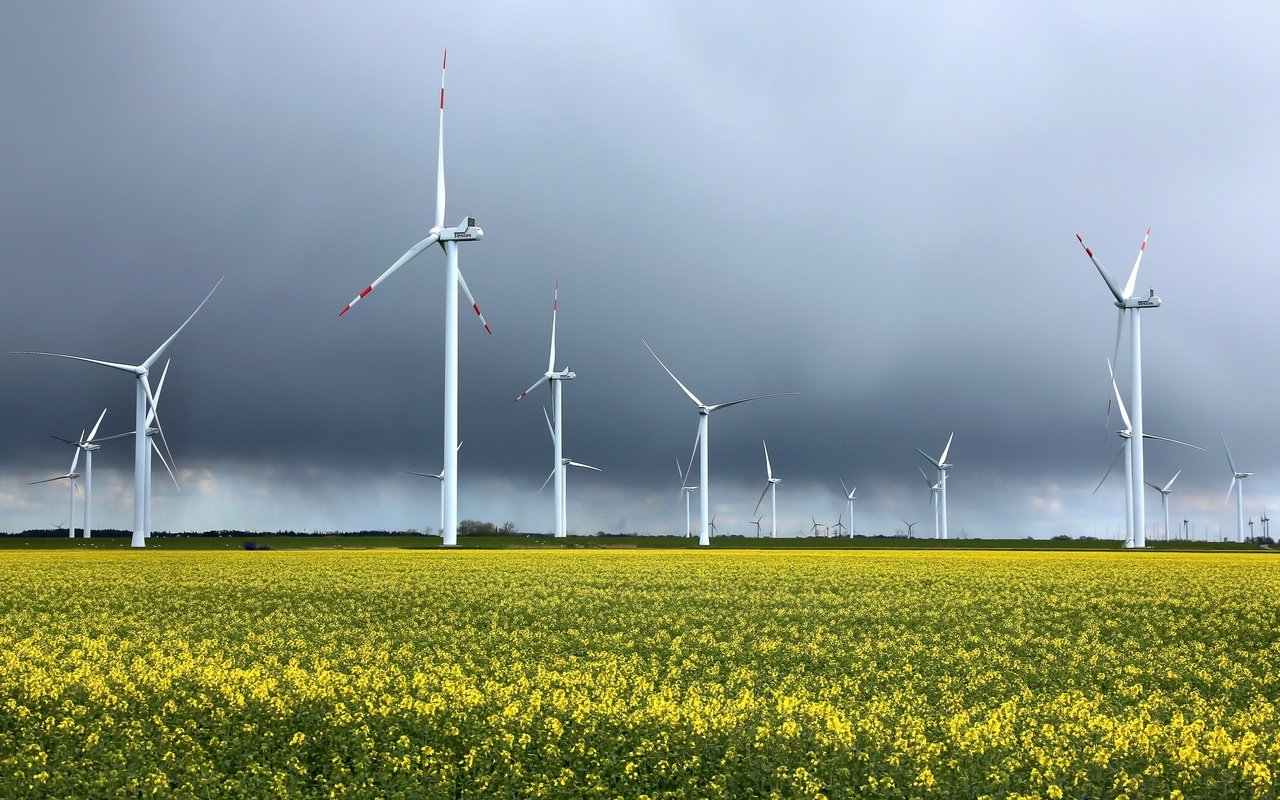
[[87, 445], [440, 477], [934, 488], [703, 442], [1126, 302], [561, 473], [770, 483], [1237, 480], [72, 476], [849, 496], [1165, 491], [556, 377], [447, 238], [940, 463], [144, 399]]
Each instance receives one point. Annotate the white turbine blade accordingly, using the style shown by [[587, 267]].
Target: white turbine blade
[[400, 262], [1230, 489], [1133, 276], [761, 500], [555, 304], [420, 474], [75, 459], [1107, 474], [1175, 441], [1124, 415], [1170, 483], [440, 153], [94, 432], [113, 365], [550, 475], [584, 466], [697, 437], [525, 393], [155, 415], [154, 357], [1115, 359], [474, 306], [768, 468], [683, 388], [927, 482], [59, 438], [47, 480], [550, 427], [1153, 486], [116, 436], [943, 458], [1230, 461], [1106, 276], [680, 472], [929, 458], [169, 469], [151, 413], [719, 406], [846, 488]]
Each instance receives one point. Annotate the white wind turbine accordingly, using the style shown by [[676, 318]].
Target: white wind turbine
[[934, 488], [447, 238], [849, 496], [771, 483], [440, 477], [1237, 484], [703, 443], [556, 378], [686, 490], [87, 445], [1134, 537], [144, 399], [71, 476], [940, 463], [1165, 491], [756, 522], [561, 472], [1126, 302]]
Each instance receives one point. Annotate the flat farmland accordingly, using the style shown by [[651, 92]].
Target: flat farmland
[[620, 673]]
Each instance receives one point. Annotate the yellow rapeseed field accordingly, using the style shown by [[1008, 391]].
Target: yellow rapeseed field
[[516, 674]]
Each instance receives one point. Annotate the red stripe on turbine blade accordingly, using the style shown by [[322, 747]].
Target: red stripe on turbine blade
[[487, 329], [345, 310], [445, 63], [367, 289], [477, 309], [1089, 252], [442, 97]]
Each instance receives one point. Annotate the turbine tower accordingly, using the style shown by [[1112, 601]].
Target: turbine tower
[[562, 469], [934, 489], [940, 464], [1165, 491], [771, 483], [703, 442], [556, 378], [448, 239], [850, 496], [1126, 302], [144, 399], [1237, 480], [87, 445]]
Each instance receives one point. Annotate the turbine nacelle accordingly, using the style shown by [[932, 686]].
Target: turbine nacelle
[[468, 231], [1150, 301]]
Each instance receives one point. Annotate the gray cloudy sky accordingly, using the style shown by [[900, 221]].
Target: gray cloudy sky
[[871, 204]]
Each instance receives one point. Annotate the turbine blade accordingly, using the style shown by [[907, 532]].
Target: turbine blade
[[169, 469], [1230, 489], [47, 480], [697, 438], [584, 466], [761, 500], [525, 393], [1152, 485], [768, 468], [550, 475], [1124, 415], [1106, 276], [474, 306], [943, 458], [719, 406], [1230, 461], [680, 472], [550, 427], [1175, 441], [1171, 480], [1115, 359], [846, 488], [113, 365], [75, 459], [94, 432], [444, 62], [1133, 276], [1107, 474], [155, 415], [151, 413], [400, 262], [420, 474], [927, 482], [555, 304], [929, 458], [59, 438], [116, 436], [683, 388], [154, 357]]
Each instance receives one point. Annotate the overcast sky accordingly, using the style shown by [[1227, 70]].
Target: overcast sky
[[874, 205]]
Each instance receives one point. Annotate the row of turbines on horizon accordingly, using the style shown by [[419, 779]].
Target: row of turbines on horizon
[[147, 423]]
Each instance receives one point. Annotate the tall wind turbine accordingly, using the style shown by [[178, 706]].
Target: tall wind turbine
[[1237, 480], [704, 445], [71, 476], [440, 477], [934, 488], [1126, 302], [556, 377], [771, 483], [940, 463], [850, 496], [449, 239], [1165, 491], [87, 445], [144, 399]]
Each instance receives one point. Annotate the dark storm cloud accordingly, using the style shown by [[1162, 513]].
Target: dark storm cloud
[[870, 207]]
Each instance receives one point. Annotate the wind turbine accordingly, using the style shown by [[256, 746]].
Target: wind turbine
[[940, 463], [703, 442], [1266, 524], [909, 525], [850, 496], [87, 445], [840, 525], [440, 477], [756, 522], [448, 239], [1237, 479], [1165, 491], [813, 529], [1126, 302], [934, 488], [771, 483], [556, 378], [144, 399], [560, 471], [72, 476], [686, 490], [712, 525], [1134, 537]]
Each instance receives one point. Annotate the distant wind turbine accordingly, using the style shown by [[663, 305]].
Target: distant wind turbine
[[1165, 491], [909, 525], [71, 476], [849, 496], [440, 477], [1237, 484], [756, 522], [934, 488], [771, 483], [448, 239], [562, 470], [940, 463], [686, 489], [87, 445], [704, 414]]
